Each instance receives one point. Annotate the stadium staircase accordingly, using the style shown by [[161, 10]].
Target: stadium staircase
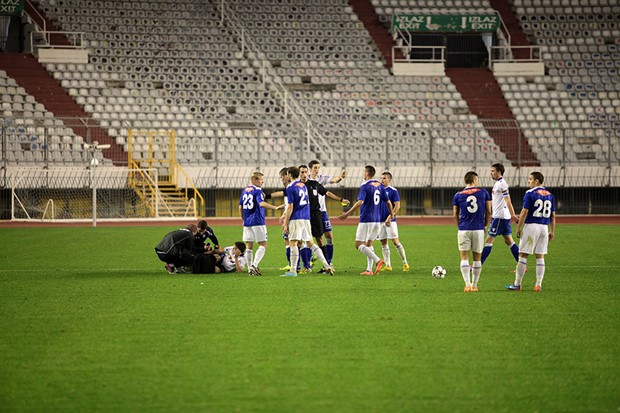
[[479, 88], [175, 198], [380, 35], [38, 17], [36, 81], [166, 199], [517, 36]]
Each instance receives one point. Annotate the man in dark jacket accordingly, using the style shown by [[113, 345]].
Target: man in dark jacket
[[205, 232], [176, 248]]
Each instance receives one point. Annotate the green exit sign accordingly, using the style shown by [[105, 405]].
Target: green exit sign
[[442, 23]]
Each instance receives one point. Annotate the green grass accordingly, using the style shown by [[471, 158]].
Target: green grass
[[91, 322]]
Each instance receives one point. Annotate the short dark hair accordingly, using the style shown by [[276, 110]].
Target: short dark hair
[[388, 174], [313, 162], [293, 171], [469, 177], [303, 166], [284, 171], [499, 168], [193, 228], [371, 170], [538, 176], [202, 224], [241, 246]]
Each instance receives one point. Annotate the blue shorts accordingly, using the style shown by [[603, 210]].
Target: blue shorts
[[500, 227], [327, 225]]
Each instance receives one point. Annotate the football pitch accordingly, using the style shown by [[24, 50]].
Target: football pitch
[[91, 322]]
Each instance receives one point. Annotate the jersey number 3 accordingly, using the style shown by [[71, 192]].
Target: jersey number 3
[[473, 204]]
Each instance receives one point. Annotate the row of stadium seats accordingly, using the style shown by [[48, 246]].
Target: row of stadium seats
[[581, 91], [350, 104], [185, 86]]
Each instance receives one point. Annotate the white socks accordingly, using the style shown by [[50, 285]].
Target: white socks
[[294, 258], [520, 272], [401, 251], [476, 269], [540, 271], [369, 252], [385, 249], [248, 256], [465, 270], [319, 254], [260, 253]]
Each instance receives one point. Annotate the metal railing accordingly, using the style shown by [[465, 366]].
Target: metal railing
[[75, 39], [506, 54], [386, 143], [420, 54]]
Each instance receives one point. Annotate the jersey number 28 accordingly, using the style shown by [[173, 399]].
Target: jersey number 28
[[543, 208]]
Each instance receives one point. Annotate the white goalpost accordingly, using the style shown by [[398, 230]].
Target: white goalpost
[[73, 194]]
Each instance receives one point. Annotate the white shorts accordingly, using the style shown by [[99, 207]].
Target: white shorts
[[471, 240], [367, 231], [534, 239], [255, 234], [390, 232], [299, 230]]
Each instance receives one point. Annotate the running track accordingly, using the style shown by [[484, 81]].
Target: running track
[[402, 220]]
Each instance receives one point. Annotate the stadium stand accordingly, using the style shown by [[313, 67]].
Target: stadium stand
[[147, 71], [26, 124], [575, 105], [155, 66]]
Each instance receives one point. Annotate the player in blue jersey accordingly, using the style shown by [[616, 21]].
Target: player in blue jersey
[[318, 218], [471, 210], [371, 196], [503, 212], [391, 232], [536, 228], [252, 209], [296, 222], [280, 194]]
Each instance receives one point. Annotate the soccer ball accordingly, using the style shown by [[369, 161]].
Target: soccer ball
[[439, 272]]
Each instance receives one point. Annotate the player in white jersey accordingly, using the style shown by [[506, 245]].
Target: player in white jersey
[[536, 228], [231, 259], [327, 245], [503, 213]]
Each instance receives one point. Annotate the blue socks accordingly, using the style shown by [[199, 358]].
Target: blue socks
[[514, 248], [306, 256], [486, 251]]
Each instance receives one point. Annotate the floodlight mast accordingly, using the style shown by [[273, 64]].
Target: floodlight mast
[[93, 148]]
